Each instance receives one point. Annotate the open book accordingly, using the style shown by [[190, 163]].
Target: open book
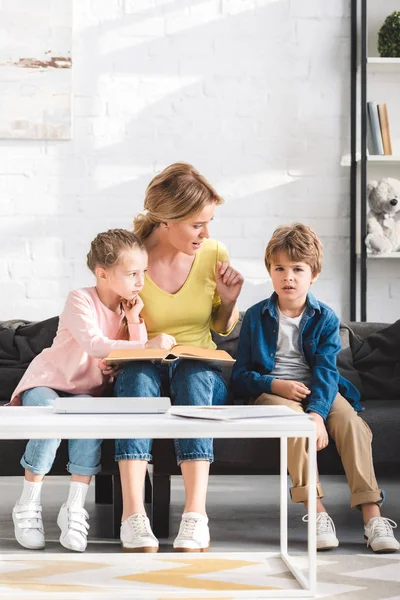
[[191, 352]]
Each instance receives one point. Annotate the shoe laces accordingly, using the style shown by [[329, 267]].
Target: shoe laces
[[325, 523], [139, 524], [381, 527], [188, 526]]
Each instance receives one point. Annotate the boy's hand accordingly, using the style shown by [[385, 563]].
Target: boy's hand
[[292, 390], [132, 309], [162, 341], [229, 282], [322, 434]]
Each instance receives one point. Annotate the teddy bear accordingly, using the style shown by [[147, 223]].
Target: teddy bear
[[383, 218]]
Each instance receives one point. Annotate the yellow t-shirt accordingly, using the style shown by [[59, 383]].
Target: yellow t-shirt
[[188, 314]]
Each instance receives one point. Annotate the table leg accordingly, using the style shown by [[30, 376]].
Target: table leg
[[283, 497], [312, 512]]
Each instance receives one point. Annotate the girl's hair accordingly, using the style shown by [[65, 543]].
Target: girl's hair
[[299, 242], [106, 251], [175, 194], [107, 247]]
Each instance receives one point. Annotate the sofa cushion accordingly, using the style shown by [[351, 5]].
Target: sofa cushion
[[20, 342], [378, 362], [345, 363]]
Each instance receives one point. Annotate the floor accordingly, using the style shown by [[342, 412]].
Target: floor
[[243, 512]]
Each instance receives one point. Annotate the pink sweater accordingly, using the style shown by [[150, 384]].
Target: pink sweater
[[87, 332]]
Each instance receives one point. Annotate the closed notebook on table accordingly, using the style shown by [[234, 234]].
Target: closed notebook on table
[[179, 351]]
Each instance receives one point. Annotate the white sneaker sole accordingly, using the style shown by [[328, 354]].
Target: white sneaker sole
[[327, 544], [205, 549], [126, 547], [383, 547]]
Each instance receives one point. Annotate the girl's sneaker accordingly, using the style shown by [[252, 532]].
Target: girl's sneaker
[[326, 532], [136, 534], [73, 522], [28, 525], [378, 533], [193, 535]]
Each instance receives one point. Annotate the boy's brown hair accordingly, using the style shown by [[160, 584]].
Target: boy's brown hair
[[299, 242]]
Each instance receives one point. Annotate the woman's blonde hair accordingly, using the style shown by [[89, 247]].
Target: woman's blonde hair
[[299, 242], [175, 194], [106, 251]]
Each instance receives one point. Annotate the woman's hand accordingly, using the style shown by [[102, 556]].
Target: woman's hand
[[229, 282], [292, 390], [109, 370], [132, 309], [162, 341], [322, 434]]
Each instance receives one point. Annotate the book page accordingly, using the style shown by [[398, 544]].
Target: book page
[[178, 351], [202, 353], [118, 356]]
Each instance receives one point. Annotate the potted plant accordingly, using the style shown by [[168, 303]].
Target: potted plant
[[389, 36]]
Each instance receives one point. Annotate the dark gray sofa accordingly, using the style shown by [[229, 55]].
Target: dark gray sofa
[[20, 341]]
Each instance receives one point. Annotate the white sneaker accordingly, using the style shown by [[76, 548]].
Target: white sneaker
[[74, 526], [28, 525], [378, 533], [326, 532], [136, 534], [194, 535]]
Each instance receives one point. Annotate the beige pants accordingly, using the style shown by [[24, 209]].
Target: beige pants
[[353, 439]]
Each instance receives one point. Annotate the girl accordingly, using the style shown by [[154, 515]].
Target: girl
[[192, 289], [95, 321]]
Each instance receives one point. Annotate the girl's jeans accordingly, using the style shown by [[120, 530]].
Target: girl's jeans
[[187, 382], [84, 455]]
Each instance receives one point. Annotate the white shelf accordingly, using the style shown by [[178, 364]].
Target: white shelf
[[378, 60], [372, 158], [371, 256], [382, 158], [376, 63], [385, 255]]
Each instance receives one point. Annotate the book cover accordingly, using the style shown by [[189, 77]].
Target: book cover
[[178, 351], [384, 123], [375, 127]]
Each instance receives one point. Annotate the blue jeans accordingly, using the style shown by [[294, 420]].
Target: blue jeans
[[187, 382], [84, 455]]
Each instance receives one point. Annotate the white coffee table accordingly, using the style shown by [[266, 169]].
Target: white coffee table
[[42, 423]]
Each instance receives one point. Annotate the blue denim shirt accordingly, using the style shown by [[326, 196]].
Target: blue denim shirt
[[319, 342]]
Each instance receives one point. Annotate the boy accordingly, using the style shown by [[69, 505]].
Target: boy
[[287, 356]]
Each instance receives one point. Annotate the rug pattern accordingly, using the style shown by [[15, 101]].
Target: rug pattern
[[231, 576]]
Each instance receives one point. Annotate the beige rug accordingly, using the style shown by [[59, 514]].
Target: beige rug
[[196, 576]]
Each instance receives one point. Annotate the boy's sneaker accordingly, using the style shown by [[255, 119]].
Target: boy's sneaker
[[378, 533], [326, 532], [194, 535], [136, 534], [73, 522], [28, 525]]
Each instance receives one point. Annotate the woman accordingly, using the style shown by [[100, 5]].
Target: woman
[[189, 289]]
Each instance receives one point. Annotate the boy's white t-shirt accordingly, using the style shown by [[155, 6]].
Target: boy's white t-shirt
[[289, 360]]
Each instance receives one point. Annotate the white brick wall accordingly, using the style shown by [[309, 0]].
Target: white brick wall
[[255, 93]]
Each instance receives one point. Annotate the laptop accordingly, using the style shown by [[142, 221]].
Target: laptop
[[116, 406]]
